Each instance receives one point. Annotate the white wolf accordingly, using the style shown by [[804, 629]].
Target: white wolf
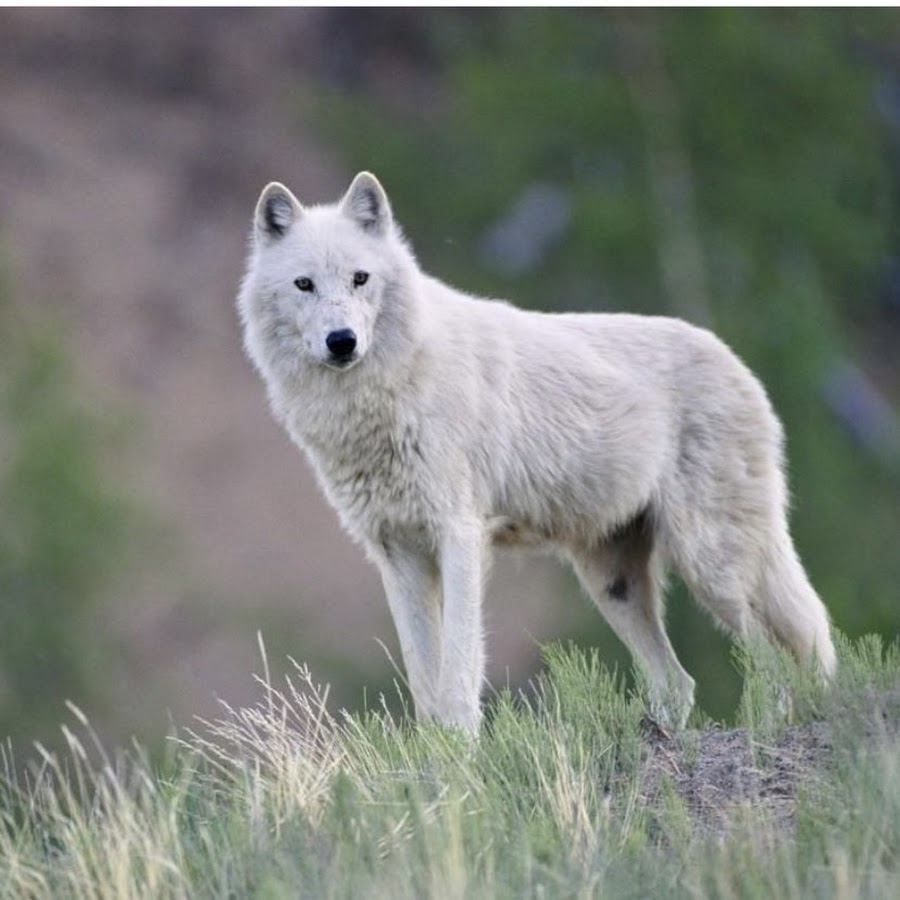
[[439, 424]]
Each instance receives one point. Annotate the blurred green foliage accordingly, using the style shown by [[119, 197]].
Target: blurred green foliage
[[722, 165], [61, 534]]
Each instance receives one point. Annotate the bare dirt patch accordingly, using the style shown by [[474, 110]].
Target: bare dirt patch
[[718, 772], [721, 772]]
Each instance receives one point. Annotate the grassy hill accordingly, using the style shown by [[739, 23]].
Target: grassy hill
[[572, 791]]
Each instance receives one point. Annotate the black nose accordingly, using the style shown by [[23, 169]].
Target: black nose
[[341, 343]]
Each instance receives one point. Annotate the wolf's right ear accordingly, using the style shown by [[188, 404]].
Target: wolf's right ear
[[276, 210]]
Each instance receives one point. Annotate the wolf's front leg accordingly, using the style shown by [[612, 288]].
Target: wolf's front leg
[[463, 558], [412, 585]]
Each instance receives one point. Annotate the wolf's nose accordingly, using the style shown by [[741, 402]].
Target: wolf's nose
[[341, 343]]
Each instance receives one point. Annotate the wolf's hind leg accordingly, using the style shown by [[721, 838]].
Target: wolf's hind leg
[[623, 578]]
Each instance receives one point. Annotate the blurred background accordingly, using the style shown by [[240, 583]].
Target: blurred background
[[740, 169]]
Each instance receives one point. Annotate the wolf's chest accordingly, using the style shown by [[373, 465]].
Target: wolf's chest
[[376, 477]]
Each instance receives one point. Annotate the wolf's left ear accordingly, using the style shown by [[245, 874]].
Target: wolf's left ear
[[276, 210], [367, 204]]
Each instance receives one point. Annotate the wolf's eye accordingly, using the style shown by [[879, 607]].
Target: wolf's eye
[[303, 283], [360, 278]]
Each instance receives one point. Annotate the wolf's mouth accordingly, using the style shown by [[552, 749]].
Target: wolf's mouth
[[340, 363]]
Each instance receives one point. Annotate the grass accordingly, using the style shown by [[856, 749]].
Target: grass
[[570, 792]]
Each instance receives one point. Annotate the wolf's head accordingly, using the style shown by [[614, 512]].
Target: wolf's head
[[325, 284]]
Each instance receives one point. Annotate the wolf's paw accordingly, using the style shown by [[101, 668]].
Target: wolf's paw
[[456, 712], [670, 717], [671, 706]]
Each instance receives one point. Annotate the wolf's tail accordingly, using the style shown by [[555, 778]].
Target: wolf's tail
[[791, 610]]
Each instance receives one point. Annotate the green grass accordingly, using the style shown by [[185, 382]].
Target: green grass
[[569, 792]]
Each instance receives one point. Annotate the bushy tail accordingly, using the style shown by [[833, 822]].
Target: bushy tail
[[791, 610]]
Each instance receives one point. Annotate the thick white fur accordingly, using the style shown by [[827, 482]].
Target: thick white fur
[[629, 444]]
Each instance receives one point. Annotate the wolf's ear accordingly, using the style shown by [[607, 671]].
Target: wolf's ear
[[276, 210], [367, 204]]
